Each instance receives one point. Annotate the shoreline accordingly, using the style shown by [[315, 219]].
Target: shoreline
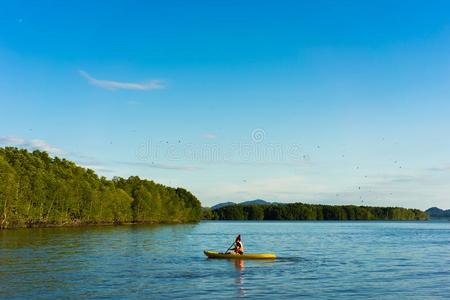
[[106, 224], [81, 225]]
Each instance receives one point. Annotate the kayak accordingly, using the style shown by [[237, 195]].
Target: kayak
[[213, 254]]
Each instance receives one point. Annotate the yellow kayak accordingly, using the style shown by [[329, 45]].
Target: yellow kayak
[[213, 254]]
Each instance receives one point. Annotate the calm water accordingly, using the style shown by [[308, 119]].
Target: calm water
[[379, 260]]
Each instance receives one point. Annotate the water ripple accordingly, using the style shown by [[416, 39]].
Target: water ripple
[[319, 260]]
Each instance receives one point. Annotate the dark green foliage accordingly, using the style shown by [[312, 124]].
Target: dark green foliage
[[254, 212], [36, 189], [232, 212], [208, 214], [301, 211]]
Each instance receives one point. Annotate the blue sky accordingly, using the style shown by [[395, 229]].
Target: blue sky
[[337, 102]]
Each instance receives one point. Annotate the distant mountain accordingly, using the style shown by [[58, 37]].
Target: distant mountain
[[256, 202], [437, 213], [220, 205], [250, 202]]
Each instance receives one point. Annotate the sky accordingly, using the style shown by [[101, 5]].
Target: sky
[[332, 102]]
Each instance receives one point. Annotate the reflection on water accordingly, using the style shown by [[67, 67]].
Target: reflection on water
[[316, 260], [239, 265]]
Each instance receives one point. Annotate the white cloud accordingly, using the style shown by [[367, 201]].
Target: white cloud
[[44, 146], [117, 85], [160, 166], [410, 189], [30, 144], [11, 141], [96, 168], [287, 188], [445, 168]]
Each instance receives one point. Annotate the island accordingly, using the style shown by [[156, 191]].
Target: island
[[263, 210], [39, 190]]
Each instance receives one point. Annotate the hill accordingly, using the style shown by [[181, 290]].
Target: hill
[[38, 190], [437, 213], [224, 204], [249, 202]]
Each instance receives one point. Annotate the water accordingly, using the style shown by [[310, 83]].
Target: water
[[378, 260]]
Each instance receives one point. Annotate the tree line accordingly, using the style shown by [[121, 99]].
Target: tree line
[[38, 190], [301, 211]]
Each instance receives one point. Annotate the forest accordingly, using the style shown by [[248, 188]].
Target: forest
[[39, 190], [301, 211]]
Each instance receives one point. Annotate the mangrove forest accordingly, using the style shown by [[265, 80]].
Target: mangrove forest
[[39, 190], [302, 211]]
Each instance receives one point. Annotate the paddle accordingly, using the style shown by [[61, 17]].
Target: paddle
[[229, 248]]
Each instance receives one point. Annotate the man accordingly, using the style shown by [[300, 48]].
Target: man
[[238, 246]]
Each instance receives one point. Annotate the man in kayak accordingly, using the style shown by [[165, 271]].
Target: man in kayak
[[238, 246]]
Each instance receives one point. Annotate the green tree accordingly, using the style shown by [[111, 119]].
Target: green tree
[[36, 189], [8, 194]]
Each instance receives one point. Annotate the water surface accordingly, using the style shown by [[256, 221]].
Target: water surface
[[378, 260]]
